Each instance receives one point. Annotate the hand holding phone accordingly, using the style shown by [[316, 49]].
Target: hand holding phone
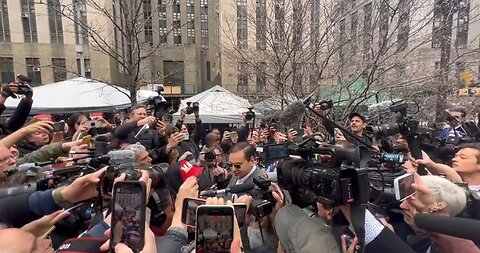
[[128, 216], [189, 210], [214, 228], [403, 186], [58, 127]]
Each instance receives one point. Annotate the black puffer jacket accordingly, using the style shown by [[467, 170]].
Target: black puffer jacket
[[18, 117]]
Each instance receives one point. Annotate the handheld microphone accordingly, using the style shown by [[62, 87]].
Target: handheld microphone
[[115, 158], [232, 189], [452, 226]]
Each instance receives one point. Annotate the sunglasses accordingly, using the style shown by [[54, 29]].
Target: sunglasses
[[236, 166]]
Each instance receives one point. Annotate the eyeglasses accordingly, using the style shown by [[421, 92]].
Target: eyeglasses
[[236, 165]]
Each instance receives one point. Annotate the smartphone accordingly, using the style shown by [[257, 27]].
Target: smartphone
[[87, 140], [403, 186], [128, 215], [233, 135], [189, 211], [94, 123], [300, 134], [240, 213], [58, 126], [337, 131], [214, 229]]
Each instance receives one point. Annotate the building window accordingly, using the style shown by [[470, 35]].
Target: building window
[[4, 23], [59, 69], [242, 27], [162, 19], [55, 21], [147, 16], [315, 21], [383, 26], [261, 77], [261, 24], [34, 71], [368, 34], [177, 32], [242, 87], [80, 5], [7, 72], [353, 31], [29, 21], [174, 73], [279, 14], [341, 40], [88, 71], [462, 23], [438, 23], [204, 22], [209, 70], [190, 22], [404, 25]]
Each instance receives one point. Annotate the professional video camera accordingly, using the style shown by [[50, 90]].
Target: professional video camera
[[23, 87], [263, 201], [192, 107], [325, 174]]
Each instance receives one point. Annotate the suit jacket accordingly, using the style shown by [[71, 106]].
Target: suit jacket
[[258, 172], [387, 241]]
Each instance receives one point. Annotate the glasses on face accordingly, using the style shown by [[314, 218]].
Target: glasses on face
[[236, 165]]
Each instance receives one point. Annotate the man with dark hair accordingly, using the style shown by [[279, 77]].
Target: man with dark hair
[[244, 168], [459, 116], [358, 123]]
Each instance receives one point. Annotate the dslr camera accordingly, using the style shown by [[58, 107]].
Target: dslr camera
[[250, 115], [23, 87], [192, 107]]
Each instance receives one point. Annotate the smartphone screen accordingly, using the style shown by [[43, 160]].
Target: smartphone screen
[[189, 211], [87, 140], [299, 137], [240, 213], [276, 151], [58, 126], [403, 186], [128, 216], [214, 230]]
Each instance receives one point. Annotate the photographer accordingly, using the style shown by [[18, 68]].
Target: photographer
[[20, 115], [138, 119], [192, 142]]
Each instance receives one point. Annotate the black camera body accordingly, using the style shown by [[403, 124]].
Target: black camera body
[[250, 115], [263, 201], [192, 107]]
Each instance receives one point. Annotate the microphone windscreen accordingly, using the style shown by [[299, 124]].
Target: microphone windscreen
[[293, 114], [239, 188], [118, 157], [452, 226]]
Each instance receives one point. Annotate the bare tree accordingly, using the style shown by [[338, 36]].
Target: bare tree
[[371, 51], [122, 31]]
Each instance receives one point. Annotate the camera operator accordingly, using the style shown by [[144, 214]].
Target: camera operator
[[138, 119], [192, 142], [358, 123], [20, 115]]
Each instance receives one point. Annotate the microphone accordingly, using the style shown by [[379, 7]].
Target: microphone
[[232, 189], [293, 113], [115, 158], [452, 226], [17, 190]]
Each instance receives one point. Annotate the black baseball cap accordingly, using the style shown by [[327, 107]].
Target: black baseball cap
[[356, 114]]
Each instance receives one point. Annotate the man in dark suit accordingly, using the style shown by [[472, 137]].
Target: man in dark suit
[[243, 164]]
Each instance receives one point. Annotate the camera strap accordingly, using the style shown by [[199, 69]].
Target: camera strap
[[357, 216], [82, 245]]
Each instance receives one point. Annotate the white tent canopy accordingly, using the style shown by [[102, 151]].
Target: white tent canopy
[[79, 94], [273, 104], [217, 105]]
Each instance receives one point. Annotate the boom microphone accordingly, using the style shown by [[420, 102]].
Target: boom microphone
[[293, 113], [232, 189], [452, 226]]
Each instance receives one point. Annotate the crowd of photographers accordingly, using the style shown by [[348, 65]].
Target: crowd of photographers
[[56, 181]]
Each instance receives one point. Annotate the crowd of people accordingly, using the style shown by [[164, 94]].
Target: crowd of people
[[194, 159]]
